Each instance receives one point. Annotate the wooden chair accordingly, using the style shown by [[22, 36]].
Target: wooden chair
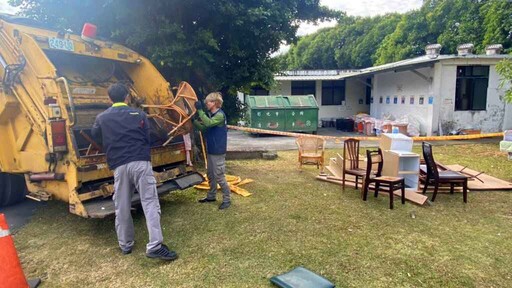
[[311, 151], [351, 155], [375, 176], [436, 177]]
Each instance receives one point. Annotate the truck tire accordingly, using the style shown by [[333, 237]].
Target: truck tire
[[12, 189]]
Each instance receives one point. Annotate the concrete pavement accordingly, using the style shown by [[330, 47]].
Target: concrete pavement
[[241, 141]]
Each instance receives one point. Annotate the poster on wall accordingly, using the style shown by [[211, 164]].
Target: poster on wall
[[430, 100], [388, 100], [371, 100], [422, 99], [395, 100], [381, 100], [402, 101], [411, 100]]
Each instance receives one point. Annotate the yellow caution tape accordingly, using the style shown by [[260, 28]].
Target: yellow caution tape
[[365, 138]]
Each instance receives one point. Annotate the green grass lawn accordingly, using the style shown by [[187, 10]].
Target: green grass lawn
[[291, 220]]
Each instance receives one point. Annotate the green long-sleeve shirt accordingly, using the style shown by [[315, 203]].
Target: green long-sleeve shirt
[[206, 122]]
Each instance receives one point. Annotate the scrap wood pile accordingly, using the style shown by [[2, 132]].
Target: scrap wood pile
[[234, 183]]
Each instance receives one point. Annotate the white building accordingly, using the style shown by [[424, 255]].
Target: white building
[[452, 91]]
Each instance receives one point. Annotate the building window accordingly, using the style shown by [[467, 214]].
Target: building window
[[258, 90], [333, 92], [471, 89], [303, 87], [368, 91]]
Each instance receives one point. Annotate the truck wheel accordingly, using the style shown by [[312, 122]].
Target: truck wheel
[[12, 189]]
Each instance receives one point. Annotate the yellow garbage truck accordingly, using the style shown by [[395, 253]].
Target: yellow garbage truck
[[54, 84]]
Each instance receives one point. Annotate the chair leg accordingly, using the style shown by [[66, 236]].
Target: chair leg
[[426, 185], [452, 188], [377, 186], [357, 180], [343, 182], [365, 191], [391, 196], [465, 190], [435, 192], [403, 192]]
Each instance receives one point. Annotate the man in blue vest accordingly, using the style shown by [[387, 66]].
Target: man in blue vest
[[215, 124], [124, 133]]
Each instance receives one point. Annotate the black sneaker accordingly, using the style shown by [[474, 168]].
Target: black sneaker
[[224, 205], [206, 200], [126, 252], [163, 254]]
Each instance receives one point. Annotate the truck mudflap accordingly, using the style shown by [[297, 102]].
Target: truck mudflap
[[101, 208]]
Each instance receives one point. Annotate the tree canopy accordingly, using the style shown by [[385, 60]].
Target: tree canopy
[[220, 45], [363, 42]]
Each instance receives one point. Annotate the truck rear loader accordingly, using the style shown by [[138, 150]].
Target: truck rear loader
[[54, 84]]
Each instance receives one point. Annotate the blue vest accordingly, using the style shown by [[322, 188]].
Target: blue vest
[[217, 137]]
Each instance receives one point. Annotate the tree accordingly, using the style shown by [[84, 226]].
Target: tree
[[364, 42], [222, 45], [504, 68]]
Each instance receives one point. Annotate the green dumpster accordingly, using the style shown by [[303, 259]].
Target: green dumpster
[[266, 112], [283, 113], [301, 113]]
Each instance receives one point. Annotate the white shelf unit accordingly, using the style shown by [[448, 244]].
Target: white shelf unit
[[402, 164], [398, 159], [396, 141]]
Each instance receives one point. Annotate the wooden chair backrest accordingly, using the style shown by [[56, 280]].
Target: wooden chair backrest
[[351, 154], [432, 171], [311, 145], [374, 158]]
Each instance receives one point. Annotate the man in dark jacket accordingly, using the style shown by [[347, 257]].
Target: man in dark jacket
[[124, 134], [214, 123]]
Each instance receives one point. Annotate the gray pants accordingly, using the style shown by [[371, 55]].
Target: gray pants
[[216, 170], [136, 175]]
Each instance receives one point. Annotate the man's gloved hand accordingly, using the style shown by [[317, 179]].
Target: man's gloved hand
[[198, 105]]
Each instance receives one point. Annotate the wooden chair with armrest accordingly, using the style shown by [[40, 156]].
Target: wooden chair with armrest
[[311, 151]]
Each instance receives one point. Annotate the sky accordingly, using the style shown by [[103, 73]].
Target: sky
[[361, 8], [6, 8]]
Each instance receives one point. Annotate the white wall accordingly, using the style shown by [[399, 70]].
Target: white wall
[[354, 91], [281, 88], [493, 119], [405, 84]]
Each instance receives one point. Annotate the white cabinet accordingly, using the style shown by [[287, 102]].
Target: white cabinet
[[402, 164], [396, 141], [398, 159]]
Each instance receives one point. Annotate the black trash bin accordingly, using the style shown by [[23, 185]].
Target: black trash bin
[[346, 125]]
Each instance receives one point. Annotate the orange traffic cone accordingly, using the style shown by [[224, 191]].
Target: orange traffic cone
[[11, 274]]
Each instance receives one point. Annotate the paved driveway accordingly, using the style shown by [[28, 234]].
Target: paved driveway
[[241, 141]]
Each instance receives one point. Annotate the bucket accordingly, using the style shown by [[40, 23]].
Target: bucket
[[377, 131], [360, 127], [395, 130]]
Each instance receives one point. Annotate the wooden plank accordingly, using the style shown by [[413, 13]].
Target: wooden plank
[[489, 182], [410, 195]]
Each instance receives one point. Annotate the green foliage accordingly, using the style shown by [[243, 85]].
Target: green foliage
[[363, 42], [222, 45], [504, 68]]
